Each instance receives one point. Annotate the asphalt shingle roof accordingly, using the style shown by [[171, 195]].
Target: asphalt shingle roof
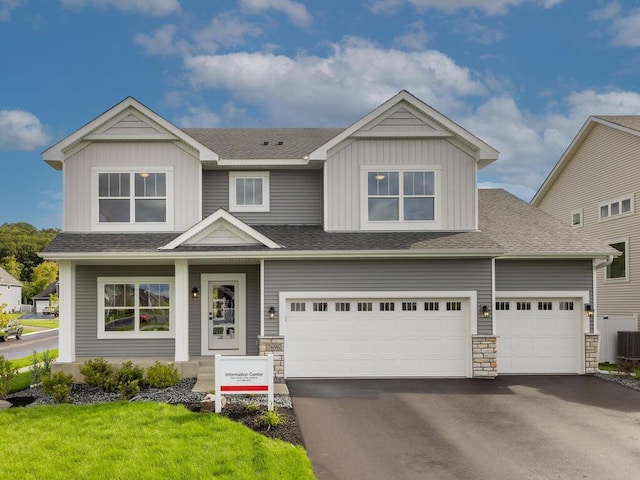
[[7, 279], [249, 143], [507, 225]]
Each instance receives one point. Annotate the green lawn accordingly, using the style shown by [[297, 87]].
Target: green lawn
[[40, 323], [142, 441], [612, 367], [28, 361]]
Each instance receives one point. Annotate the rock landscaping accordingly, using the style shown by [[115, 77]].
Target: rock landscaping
[[626, 380], [245, 409]]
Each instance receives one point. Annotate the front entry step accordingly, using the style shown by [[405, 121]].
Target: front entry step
[[206, 378]]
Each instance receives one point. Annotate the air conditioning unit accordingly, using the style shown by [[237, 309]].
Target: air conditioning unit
[[629, 345]]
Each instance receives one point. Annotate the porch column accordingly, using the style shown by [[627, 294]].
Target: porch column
[[67, 312], [181, 310]]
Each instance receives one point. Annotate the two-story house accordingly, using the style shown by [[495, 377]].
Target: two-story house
[[10, 292], [594, 188], [366, 251]]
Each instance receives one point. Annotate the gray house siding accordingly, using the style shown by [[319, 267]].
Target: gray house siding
[[87, 342], [532, 275], [378, 275], [295, 197], [252, 310]]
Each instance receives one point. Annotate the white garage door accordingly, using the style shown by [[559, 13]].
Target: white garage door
[[538, 335], [364, 337]]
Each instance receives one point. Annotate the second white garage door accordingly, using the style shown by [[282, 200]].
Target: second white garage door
[[538, 335], [365, 337]]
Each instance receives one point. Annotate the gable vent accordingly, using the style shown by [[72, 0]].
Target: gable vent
[[265, 143], [280, 143]]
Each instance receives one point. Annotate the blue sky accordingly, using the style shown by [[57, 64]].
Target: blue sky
[[523, 75]]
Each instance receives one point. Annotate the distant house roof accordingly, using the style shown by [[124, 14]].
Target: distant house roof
[[44, 294], [625, 123], [8, 279], [508, 227]]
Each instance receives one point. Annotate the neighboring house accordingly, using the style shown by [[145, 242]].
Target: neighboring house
[[358, 252], [10, 292], [595, 188], [43, 299]]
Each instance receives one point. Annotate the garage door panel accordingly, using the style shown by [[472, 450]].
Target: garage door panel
[[376, 343], [538, 341]]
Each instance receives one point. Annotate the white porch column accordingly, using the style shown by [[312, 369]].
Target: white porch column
[[67, 318], [181, 310]]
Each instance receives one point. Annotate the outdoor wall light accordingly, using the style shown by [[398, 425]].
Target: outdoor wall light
[[272, 312], [589, 309], [486, 313], [195, 293]]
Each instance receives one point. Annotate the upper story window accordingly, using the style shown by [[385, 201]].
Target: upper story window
[[576, 218], [133, 199], [617, 207], [619, 268], [407, 195], [249, 191]]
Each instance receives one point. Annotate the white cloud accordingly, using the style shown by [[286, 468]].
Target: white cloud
[[162, 42], [626, 29], [385, 6], [489, 7], [156, 8], [333, 90], [479, 32], [415, 39], [225, 29], [198, 117], [6, 7], [297, 12], [21, 130]]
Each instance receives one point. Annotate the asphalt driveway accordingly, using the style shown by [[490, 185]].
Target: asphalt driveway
[[524, 427]]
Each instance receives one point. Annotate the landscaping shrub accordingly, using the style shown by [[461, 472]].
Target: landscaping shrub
[[97, 372], [270, 419], [40, 366], [160, 375], [129, 378], [7, 373], [58, 386]]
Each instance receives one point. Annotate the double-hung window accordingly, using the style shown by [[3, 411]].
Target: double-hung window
[[135, 307], [619, 268], [617, 207], [249, 191], [393, 196], [133, 198]]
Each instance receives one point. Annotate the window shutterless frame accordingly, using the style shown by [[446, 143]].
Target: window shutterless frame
[[249, 191]]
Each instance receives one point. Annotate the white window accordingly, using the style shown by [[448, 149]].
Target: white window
[[409, 306], [432, 306], [545, 305], [523, 306], [343, 306], [576, 218], [454, 306], [249, 191], [392, 196], [619, 268], [319, 306], [502, 305], [132, 198], [138, 307], [387, 306], [566, 305], [617, 207], [298, 306], [365, 306]]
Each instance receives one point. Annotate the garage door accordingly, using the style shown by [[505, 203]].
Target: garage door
[[365, 337], [538, 335]]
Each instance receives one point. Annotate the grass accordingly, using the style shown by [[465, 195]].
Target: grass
[[19, 383], [612, 367], [40, 323], [28, 361], [97, 442]]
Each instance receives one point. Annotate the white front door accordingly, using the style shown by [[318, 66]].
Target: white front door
[[223, 314]]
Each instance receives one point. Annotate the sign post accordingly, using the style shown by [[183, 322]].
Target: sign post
[[236, 374]]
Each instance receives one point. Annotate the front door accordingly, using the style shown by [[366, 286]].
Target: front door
[[223, 314]]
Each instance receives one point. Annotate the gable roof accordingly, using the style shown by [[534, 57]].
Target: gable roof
[[447, 127], [625, 123], [55, 154], [44, 294], [7, 279]]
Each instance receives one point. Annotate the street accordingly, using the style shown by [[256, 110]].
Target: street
[[41, 341]]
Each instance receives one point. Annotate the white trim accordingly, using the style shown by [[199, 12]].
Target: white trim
[[578, 211], [402, 133], [620, 214], [66, 305], [249, 175], [132, 226], [594, 300], [224, 216], [102, 281], [493, 296], [262, 297], [241, 302], [626, 278], [470, 295], [269, 162], [181, 309], [401, 224], [325, 197], [581, 328]]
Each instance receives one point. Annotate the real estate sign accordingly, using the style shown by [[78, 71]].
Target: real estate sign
[[235, 374]]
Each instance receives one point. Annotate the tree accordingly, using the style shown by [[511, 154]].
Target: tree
[[12, 266], [23, 241], [43, 275]]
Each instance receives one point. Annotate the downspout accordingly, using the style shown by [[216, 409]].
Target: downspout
[[606, 263], [594, 328]]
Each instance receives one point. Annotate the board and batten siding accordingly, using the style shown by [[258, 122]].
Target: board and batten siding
[[78, 181], [457, 178], [379, 276], [603, 168], [402, 120], [252, 308], [87, 342], [295, 197]]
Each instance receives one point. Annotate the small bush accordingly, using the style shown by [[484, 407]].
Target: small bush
[[97, 372], [270, 419], [129, 389], [58, 386], [161, 375], [40, 366], [128, 377], [625, 366], [7, 373], [251, 407]]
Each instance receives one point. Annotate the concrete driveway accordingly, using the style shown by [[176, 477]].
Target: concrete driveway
[[524, 427]]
